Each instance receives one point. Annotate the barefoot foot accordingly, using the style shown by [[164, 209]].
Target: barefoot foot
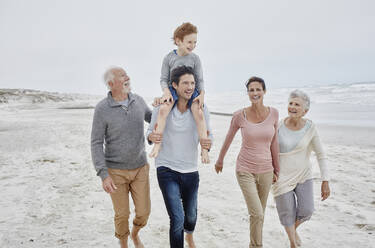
[[298, 240], [136, 240], [189, 240], [123, 243], [205, 157]]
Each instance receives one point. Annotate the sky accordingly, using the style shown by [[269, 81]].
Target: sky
[[66, 45]]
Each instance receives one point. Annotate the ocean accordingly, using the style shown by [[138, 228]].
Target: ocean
[[337, 104]]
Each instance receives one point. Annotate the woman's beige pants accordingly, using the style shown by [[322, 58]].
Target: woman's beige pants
[[255, 189]]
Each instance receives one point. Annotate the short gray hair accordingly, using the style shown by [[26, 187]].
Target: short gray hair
[[303, 96], [109, 75]]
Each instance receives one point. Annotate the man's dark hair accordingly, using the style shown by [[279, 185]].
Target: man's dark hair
[[255, 79], [180, 71]]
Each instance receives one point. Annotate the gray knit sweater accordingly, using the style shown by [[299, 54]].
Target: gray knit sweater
[[117, 136], [172, 60]]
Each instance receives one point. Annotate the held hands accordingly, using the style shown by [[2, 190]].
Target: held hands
[[108, 185], [200, 100], [325, 191]]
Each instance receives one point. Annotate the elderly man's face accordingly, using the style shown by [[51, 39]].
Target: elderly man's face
[[120, 82]]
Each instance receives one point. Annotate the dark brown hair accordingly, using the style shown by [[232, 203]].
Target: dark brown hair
[[256, 79], [178, 72]]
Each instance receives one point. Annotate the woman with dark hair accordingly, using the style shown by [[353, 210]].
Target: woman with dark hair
[[258, 160]]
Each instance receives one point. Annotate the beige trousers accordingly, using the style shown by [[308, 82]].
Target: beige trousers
[[255, 189], [137, 183]]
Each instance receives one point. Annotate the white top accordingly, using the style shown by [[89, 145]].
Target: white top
[[289, 139], [296, 167]]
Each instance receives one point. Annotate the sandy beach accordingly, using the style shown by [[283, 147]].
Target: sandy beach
[[51, 196]]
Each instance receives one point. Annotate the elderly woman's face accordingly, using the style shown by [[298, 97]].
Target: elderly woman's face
[[255, 91], [296, 108]]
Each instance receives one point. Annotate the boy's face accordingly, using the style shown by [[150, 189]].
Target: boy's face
[[187, 45]]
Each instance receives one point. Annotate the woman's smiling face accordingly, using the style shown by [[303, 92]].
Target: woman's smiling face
[[256, 92], [296, 108]]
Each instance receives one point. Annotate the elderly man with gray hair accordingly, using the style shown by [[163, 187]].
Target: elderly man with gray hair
[[118, 153], [293, 191]]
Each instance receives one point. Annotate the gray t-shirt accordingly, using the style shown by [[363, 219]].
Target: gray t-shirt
[[179, 147], [173, 60], [289, 139]]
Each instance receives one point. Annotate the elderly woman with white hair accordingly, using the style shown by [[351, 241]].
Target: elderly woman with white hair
[[293, 190]]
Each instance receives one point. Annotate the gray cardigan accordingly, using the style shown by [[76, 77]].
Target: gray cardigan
[[117, 136]]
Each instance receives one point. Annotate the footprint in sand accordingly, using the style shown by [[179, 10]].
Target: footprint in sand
[[365, 227]]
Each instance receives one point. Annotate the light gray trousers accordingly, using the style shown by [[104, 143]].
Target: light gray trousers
[[297, 204]]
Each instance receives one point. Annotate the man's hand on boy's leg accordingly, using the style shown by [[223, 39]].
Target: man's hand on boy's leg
[[205, 143], [200, 100], [155, 137]]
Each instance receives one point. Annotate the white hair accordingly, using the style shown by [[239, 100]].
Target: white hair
[[303, 96], [109, 75]]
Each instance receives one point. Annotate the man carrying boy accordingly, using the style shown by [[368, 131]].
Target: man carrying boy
[[185, 38], [122, 165], [176, 163]]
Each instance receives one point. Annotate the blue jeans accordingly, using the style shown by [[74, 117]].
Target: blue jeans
[[180, 191]]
